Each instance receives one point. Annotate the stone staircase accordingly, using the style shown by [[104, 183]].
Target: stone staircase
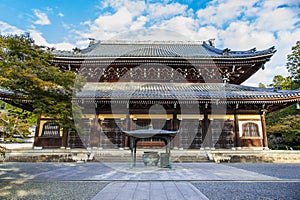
[[121, 155], [97, 155]]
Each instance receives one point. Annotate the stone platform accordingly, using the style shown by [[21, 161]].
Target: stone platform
[[124, 155]]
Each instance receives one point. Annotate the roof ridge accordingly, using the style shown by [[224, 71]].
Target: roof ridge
[[198, 42]]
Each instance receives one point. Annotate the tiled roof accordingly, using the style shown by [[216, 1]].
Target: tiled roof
[[224, 93], [159, 49], [183, 91]]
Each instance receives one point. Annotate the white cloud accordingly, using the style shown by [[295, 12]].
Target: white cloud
[[60, 14], [7, 29], [40, 40], [107, 26], [124, 16], [116, 22], [154, 34], [135, 7], [206, 33], [243, 35], [283, 45], [220, 12], [37, 36], [266, 76], [242, 25], [139, 23], [42, 18], [159, 10], [276, 19], [179, 24]]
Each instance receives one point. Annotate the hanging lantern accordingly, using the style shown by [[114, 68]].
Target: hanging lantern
[[2, 106], [297, 106]]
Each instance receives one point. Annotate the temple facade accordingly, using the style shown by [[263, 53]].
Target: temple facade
[[192, 88]]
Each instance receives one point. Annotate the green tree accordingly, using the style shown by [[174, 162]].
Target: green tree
[[261, 85], [27, 70], [26, 116], [11, 125], [293, 65], [283, 126], [15, 121], [284, 83]]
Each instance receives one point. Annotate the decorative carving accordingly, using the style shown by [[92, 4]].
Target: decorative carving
[[227, 74], [149, 73]]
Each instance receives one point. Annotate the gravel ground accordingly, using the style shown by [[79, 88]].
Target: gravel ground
[[25, 170], [250, 190], [22, 170], [49, 190], [282, 171]]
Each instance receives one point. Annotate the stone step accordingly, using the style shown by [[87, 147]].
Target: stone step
[[113, 155]]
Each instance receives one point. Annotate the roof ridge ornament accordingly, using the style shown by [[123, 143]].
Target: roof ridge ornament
[[93, 41], [76, 50], [211, 42], [226, 51]]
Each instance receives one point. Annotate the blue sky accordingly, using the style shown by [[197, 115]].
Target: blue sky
[[236, 24]]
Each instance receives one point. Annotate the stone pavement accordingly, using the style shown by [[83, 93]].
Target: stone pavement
[[150, 190], [118, 181], [123, 172]]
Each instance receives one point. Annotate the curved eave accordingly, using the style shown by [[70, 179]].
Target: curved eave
[[94, 58], [189, 100], [252, 51]]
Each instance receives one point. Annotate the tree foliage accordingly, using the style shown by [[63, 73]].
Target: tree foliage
[[11, 125], [284, 83], [26, 116], [283, 126], [27, 69], [15, 121], [261, 85], [293, 65]]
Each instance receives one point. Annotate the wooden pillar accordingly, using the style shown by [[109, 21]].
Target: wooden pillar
[[64, 142], [37, 130], [264, 130], [128, 127], [206, 135], [175, 128], [94, 132], [236, 130], [98, 130]]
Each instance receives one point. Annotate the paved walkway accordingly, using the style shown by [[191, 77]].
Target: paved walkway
[[150, 190], [123, 172], [152, 183], [117, 181]]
